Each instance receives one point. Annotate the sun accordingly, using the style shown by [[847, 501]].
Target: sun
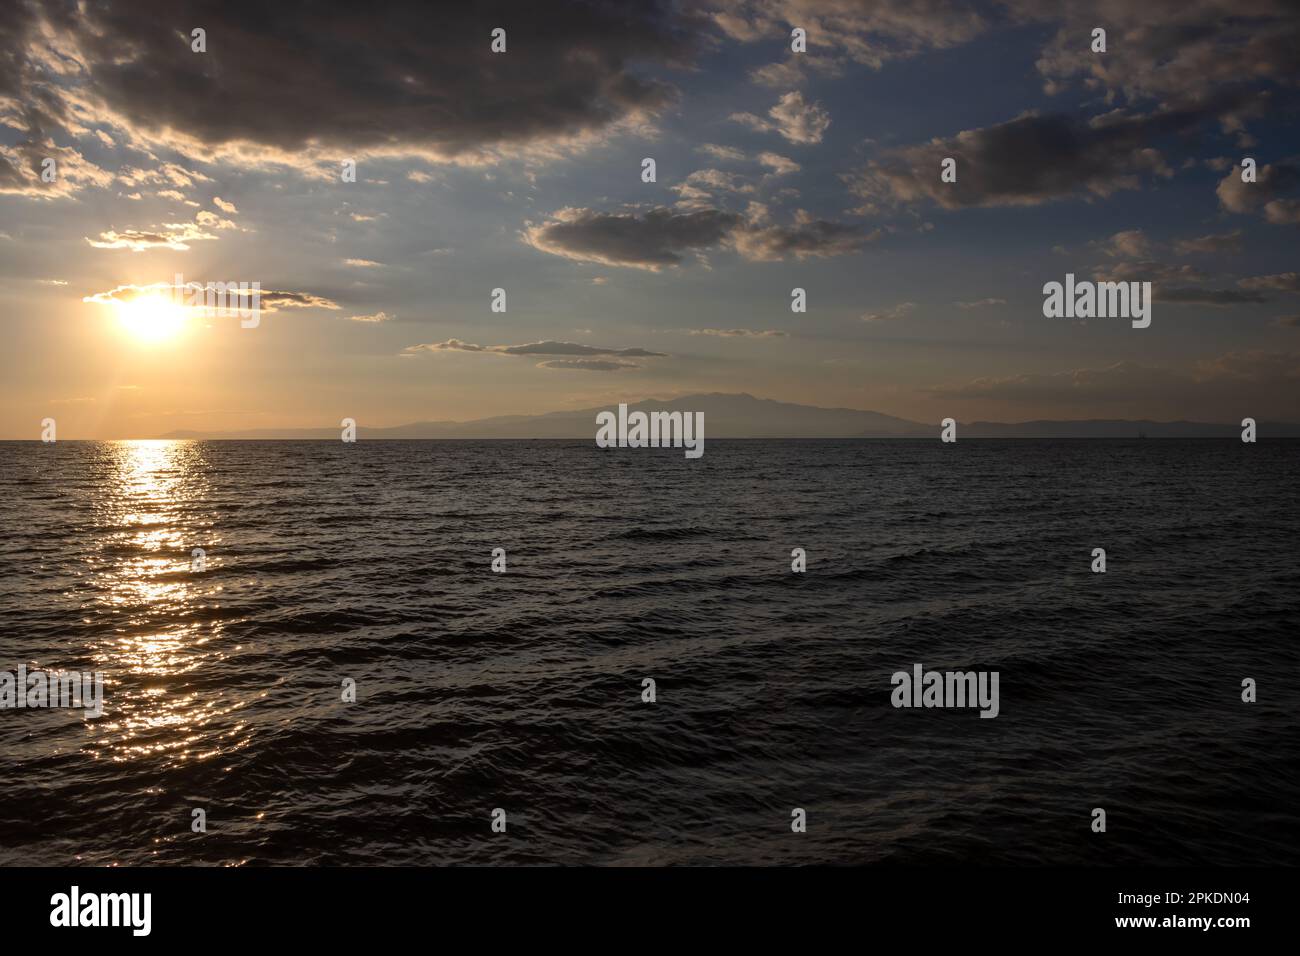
[[151, 319]]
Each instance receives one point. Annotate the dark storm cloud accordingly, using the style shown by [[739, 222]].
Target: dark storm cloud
[[355, 76], [1031, 159]]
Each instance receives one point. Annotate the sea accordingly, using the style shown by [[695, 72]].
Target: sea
[[339, 676]]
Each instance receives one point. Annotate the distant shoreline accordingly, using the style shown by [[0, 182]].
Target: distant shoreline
[[744, 438]]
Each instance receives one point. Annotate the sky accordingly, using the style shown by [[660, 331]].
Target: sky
[[522, 170]]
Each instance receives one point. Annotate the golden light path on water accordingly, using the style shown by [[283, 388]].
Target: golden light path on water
[[155, 617]]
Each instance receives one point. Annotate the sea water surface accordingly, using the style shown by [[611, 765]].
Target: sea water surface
[[522, 690]]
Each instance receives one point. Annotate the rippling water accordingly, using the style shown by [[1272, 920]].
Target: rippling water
[[522, 690]]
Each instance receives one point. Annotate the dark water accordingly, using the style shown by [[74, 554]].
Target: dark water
[[523, 690]]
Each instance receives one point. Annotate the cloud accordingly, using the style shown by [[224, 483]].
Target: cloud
[[723, 153], [900, 311], [741, 333], [1194, 296], [1268, 195], [796, 69], [1168, 52], [1177, 51], [127, 293], [779, 165], [1282, 282], [1220, 244], [451, 345], [166, 174], [212, 220], [1288, 321], [806, 238], [661, 237], [22, 166], [981, 303], [1255, 365], [871, 34], [391, 83], [572, 348], [1157, 273], [657, 239], [532, 348], [274, 301], [588, 365], [1132, 244], [1168, 284], [792, 117], [377, 317], [176, 236], [717, 179], [269, 300], [1028, 160], [223, 205], [363, 263]]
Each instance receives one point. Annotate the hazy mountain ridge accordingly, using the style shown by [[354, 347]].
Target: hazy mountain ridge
[[744, 416]]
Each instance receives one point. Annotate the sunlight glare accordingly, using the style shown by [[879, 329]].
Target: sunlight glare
[[152, 318]]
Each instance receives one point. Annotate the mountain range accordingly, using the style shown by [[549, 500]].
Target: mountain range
[[744, 416]]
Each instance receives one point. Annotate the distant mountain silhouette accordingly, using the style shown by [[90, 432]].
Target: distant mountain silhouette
[[744, 416]]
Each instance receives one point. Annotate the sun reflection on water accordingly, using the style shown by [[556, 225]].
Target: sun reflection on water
[[157, 622]]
